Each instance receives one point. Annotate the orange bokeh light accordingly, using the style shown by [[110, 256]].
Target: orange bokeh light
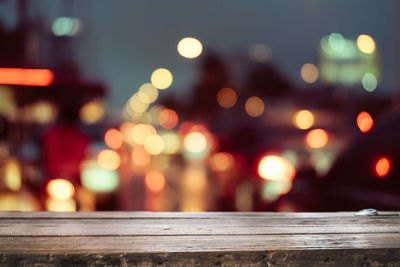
[[60, 189], [113, 138], [226, 97], [364, 121], [155, 181], [140, 132], [221, 161], [168, 118], [109, 159], [317, 138], [140, 157], [382, 167], [27, 77], [276, 168]]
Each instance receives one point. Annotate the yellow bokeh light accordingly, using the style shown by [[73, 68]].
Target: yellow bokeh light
[[154, 144], [126, 129], [309, 73], [60, 205], [221, 161], [276, 168], [140, 132], [12, 174], [113, 138], [366, 44], [195, 180], [161, 78], [60, 189], [189, 47], [172, 142], [44, 112], [147, 93], [109, 159], [155, 181], [226, 97], [195, 142], [92, 112], [137, 105], [254, 106], [317, 138], [303, 119]]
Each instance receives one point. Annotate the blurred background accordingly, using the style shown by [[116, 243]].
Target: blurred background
[[199, 105]]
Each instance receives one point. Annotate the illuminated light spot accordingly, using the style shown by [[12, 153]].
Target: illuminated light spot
[[189, 47], [221, 161], [60, 189], [137, 105], [154, 144], [147, 93], [321, 161], [369, 82], [260, 53], [12, 175], [317, 138], [185, 128], [303, 119], [226, 97], [140, 132], [140, 157], [309, 73], [161, 78], [109, 159], [172, 143], [336, 42], [126, 130], [27, 77], [254, 106], [92, 112], [276, 168], [44, 112], [155, 181], [291, 156], [97, 179], [382, 167], [195, 180], [65, 26], [168, 118], [365, 121], [366, 44], [60, 205], [113, 138], [271, 190], [195, 142], [15, 202], [155, 112]]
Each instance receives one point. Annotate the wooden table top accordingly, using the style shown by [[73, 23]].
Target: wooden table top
[[213, 238]]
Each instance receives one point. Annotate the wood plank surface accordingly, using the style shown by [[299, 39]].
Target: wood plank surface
[[198, 239]]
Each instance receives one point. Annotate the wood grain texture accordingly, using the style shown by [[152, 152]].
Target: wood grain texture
[[198, 239]]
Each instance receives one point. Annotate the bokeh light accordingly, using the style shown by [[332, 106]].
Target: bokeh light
[[303, 119], [60, 189], [161, 78], [140, 132], [154, 144], [221, 161], [195, 142], [317, 138], [92, 112], [12, 174], [65, 26], [276, 168], [369, 82], [155, 181], [364, 121], [271, 190], [226, 97], [168, 118], [190, 47], [113, 138], [254, 106], [140, 157], [137, 105], [366, 44], [172, 142], [44, 112], [97, 179], [336, 42], [309, 73], [147, 93], [382, 167], [126, 130], [260, 53], [109, 159], [53, 204]]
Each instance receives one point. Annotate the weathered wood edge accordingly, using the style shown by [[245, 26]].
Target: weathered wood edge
[[330, 257]]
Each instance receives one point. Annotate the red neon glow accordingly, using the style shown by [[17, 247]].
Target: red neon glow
[[28, 77]]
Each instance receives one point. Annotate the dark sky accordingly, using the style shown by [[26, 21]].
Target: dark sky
[[124, 41]]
